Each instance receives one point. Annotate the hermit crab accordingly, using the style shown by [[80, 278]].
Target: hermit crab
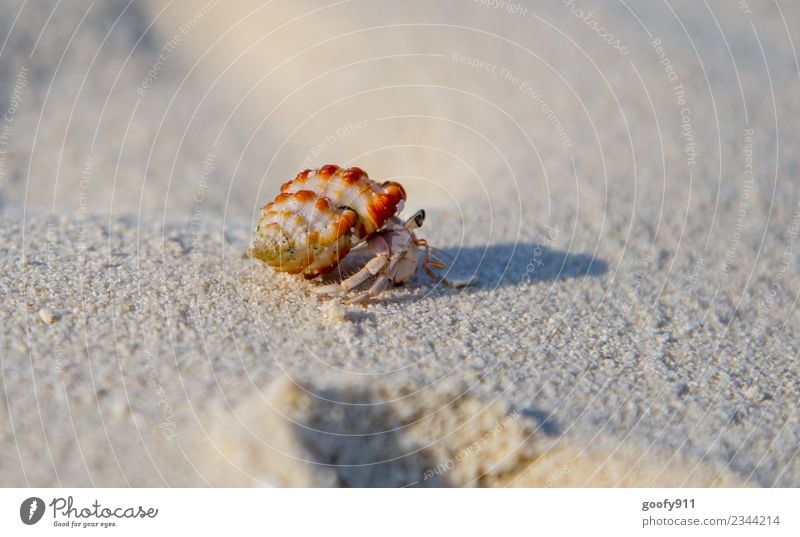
[[322, 215]]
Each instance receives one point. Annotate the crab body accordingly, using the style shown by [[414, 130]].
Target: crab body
[[320, 216], [396, 249]]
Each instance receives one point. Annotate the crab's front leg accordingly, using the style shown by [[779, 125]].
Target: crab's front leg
[[401, 267], [381, 283], [373, 267], [382, 265]]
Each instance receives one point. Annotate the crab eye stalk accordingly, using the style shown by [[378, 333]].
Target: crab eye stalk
[[416, 221]]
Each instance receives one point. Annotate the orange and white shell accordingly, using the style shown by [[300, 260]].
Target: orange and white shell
[[319, 216]]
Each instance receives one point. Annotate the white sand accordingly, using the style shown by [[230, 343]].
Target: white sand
[[626, 300]]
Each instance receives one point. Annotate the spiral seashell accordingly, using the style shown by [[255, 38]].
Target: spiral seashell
[[319, 216]]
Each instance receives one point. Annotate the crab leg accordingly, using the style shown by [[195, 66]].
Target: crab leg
[[380, 284], [426, 261], [386, 277], [373, 267]]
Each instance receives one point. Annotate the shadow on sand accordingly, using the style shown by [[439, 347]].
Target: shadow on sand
[[500, 265]]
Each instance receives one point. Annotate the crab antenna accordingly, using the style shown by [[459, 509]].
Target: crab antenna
[[440, 252]]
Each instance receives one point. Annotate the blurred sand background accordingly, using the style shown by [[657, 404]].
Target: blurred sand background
[[620, 178]]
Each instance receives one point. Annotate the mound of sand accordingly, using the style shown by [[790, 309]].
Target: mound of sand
[[346, 433]]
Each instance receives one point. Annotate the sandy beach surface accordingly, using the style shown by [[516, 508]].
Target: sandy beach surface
[[621, 182]]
